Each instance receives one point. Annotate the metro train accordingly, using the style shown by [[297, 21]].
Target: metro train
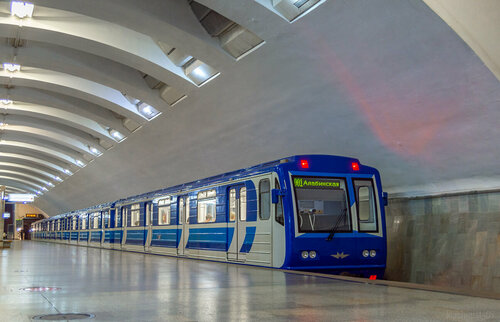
[[306, 212]]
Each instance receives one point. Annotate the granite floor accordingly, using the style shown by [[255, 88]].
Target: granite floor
[[124, 286]]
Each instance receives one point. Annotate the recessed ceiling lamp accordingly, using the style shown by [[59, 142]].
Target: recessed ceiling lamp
[[50, 184], [68, 172], [58, 178], [5, 101], [95, 151], [21, 9], [80, 163], [12, 68], [38, 192], [116, 135], [147, 111], [45, 189], [199, 72]]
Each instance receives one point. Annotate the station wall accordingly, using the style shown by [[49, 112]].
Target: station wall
[[449, 240]]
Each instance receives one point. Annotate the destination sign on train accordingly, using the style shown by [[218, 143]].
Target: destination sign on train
[[315, 183]]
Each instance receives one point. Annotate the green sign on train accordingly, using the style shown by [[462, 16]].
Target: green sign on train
[[315, 183]]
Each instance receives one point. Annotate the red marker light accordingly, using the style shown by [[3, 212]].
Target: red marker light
[[373, 277], [304, 164], [355, 166]]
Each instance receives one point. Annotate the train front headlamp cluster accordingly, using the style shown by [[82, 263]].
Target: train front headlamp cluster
[[308, 254], [371, 253]]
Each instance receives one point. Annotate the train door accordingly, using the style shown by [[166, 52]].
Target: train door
[[237, 206], [124, 225], [149, 226], [278, 232], [183, 218], [259, 244]]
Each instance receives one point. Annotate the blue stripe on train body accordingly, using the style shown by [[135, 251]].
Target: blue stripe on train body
[[215, 239], [135, 237], [248, 241], [95, 236], [165, 237]]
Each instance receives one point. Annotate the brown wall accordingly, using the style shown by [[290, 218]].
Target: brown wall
[[449, 241]]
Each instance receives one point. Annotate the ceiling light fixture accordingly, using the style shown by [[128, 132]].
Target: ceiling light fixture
[[80, 163], [21, 9], [50, 184], [147, 110], [12, 67], [58, 178], [5, 101], [68, 172], [116, 135], [95, 151]]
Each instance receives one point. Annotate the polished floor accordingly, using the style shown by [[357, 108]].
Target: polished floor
[[124, 286]]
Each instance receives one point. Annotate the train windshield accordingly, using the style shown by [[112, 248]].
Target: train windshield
[[322, 204]]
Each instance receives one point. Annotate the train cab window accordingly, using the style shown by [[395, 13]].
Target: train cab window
[[164, 211], [322, 205], [264, 199], [365, 202], [135, 215], [232, 204], [206, 206], [279, 206], [243, 204]]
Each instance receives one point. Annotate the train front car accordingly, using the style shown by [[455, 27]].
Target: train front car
[[334, 216]]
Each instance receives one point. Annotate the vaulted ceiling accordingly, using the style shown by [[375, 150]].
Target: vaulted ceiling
[[104, 99]]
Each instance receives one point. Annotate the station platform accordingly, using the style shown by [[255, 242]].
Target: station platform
[[123, 286]]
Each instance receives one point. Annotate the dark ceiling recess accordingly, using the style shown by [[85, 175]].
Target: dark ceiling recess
[[235, 39]]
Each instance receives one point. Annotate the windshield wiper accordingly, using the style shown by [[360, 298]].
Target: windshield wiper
[[337, 224]]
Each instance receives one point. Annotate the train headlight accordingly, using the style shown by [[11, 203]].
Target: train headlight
[[373, 253], [312, 254], [304, 254], [366, 253]]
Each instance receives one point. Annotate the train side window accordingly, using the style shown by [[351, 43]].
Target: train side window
[[279, 206], [106, 223], [243, 204], [164, 211], [84, 222], [264, 199], [118, 219], [365, 202], [135, 215], [124, 217], [232, 205], [206, 206], [187, 210]]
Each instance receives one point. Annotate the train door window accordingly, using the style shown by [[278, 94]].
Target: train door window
[[118, 219], [84, 222], [206, 206], [243, 204], [105, 219], [264, 199], [187, 210], [124, 217], [95, 220], [74, 223], [164, 211], [365, 202], [279, 206], [232, 204], [135, 215], [59, 225]]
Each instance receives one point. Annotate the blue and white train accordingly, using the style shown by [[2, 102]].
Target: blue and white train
[[306, 212]]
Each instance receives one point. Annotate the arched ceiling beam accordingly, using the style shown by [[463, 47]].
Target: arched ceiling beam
[[26, 176], [21, 183], [55, 153], [68, 104], [71, 85], [60, 116], [28, 167], [10, 189], [60, 134], [38, 159], [98, 37], [87, 66]]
